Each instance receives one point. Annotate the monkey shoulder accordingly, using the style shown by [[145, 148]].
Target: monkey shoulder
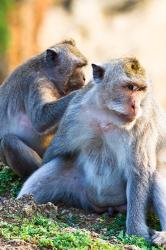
[[69, 128], [75, 104]]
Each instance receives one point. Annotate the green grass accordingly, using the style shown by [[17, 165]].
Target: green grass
[[9, 182], [46, 233]]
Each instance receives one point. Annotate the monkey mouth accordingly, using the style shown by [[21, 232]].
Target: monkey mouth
[[73, 87], [126, 117]]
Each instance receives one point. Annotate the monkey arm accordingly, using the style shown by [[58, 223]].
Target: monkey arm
[[43, 108], [139, 182], [68, 139], [64, 141], [137, 200], [60, 146]]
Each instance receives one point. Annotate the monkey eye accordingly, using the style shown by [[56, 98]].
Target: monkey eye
[[131, 87]]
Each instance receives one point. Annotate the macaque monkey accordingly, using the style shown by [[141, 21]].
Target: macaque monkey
[[107, 150], [31, 105]]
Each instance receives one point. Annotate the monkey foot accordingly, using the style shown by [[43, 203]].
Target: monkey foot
[[118, 209], [159, 239]]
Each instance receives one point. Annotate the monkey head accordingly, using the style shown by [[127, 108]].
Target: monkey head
[[122, 88], [64, 64]]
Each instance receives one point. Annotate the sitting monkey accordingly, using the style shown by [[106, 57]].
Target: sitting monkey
[[106, 152], [30, 105]]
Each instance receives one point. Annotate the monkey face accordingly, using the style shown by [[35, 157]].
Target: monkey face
[[76, 81], [121, 91], [126, 100], [65, 64]]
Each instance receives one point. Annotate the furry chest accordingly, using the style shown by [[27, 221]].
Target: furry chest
[[104, 160], [104, 156], [118, 144]]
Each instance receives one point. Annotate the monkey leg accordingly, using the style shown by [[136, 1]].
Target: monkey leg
[[20, 157], [159, 203], [57, 181]]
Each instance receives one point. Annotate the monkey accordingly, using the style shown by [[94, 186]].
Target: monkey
[[107, 150], [33, 99]]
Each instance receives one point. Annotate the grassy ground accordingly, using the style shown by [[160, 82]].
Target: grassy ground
[[26, 225]]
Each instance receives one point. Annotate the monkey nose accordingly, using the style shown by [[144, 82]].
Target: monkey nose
[[133, 109]]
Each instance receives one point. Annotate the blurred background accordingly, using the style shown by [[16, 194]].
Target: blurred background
[[103, 29]]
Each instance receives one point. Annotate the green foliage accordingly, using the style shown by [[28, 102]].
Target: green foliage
[[4, 31], [9, 182], [49, 234]]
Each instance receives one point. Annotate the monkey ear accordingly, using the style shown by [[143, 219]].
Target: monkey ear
[[98, 72], [51, 55]]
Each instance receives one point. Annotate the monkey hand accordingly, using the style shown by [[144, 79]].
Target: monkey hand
[[159, 239]]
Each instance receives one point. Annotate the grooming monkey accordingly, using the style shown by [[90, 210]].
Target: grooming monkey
[[31, 104], [107, 150]]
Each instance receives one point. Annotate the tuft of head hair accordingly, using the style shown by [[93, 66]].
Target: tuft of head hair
[[133, 68], [70, 45], [69, 42]]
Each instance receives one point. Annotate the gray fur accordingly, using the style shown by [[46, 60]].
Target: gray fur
[[106, 152], [32, 102]]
